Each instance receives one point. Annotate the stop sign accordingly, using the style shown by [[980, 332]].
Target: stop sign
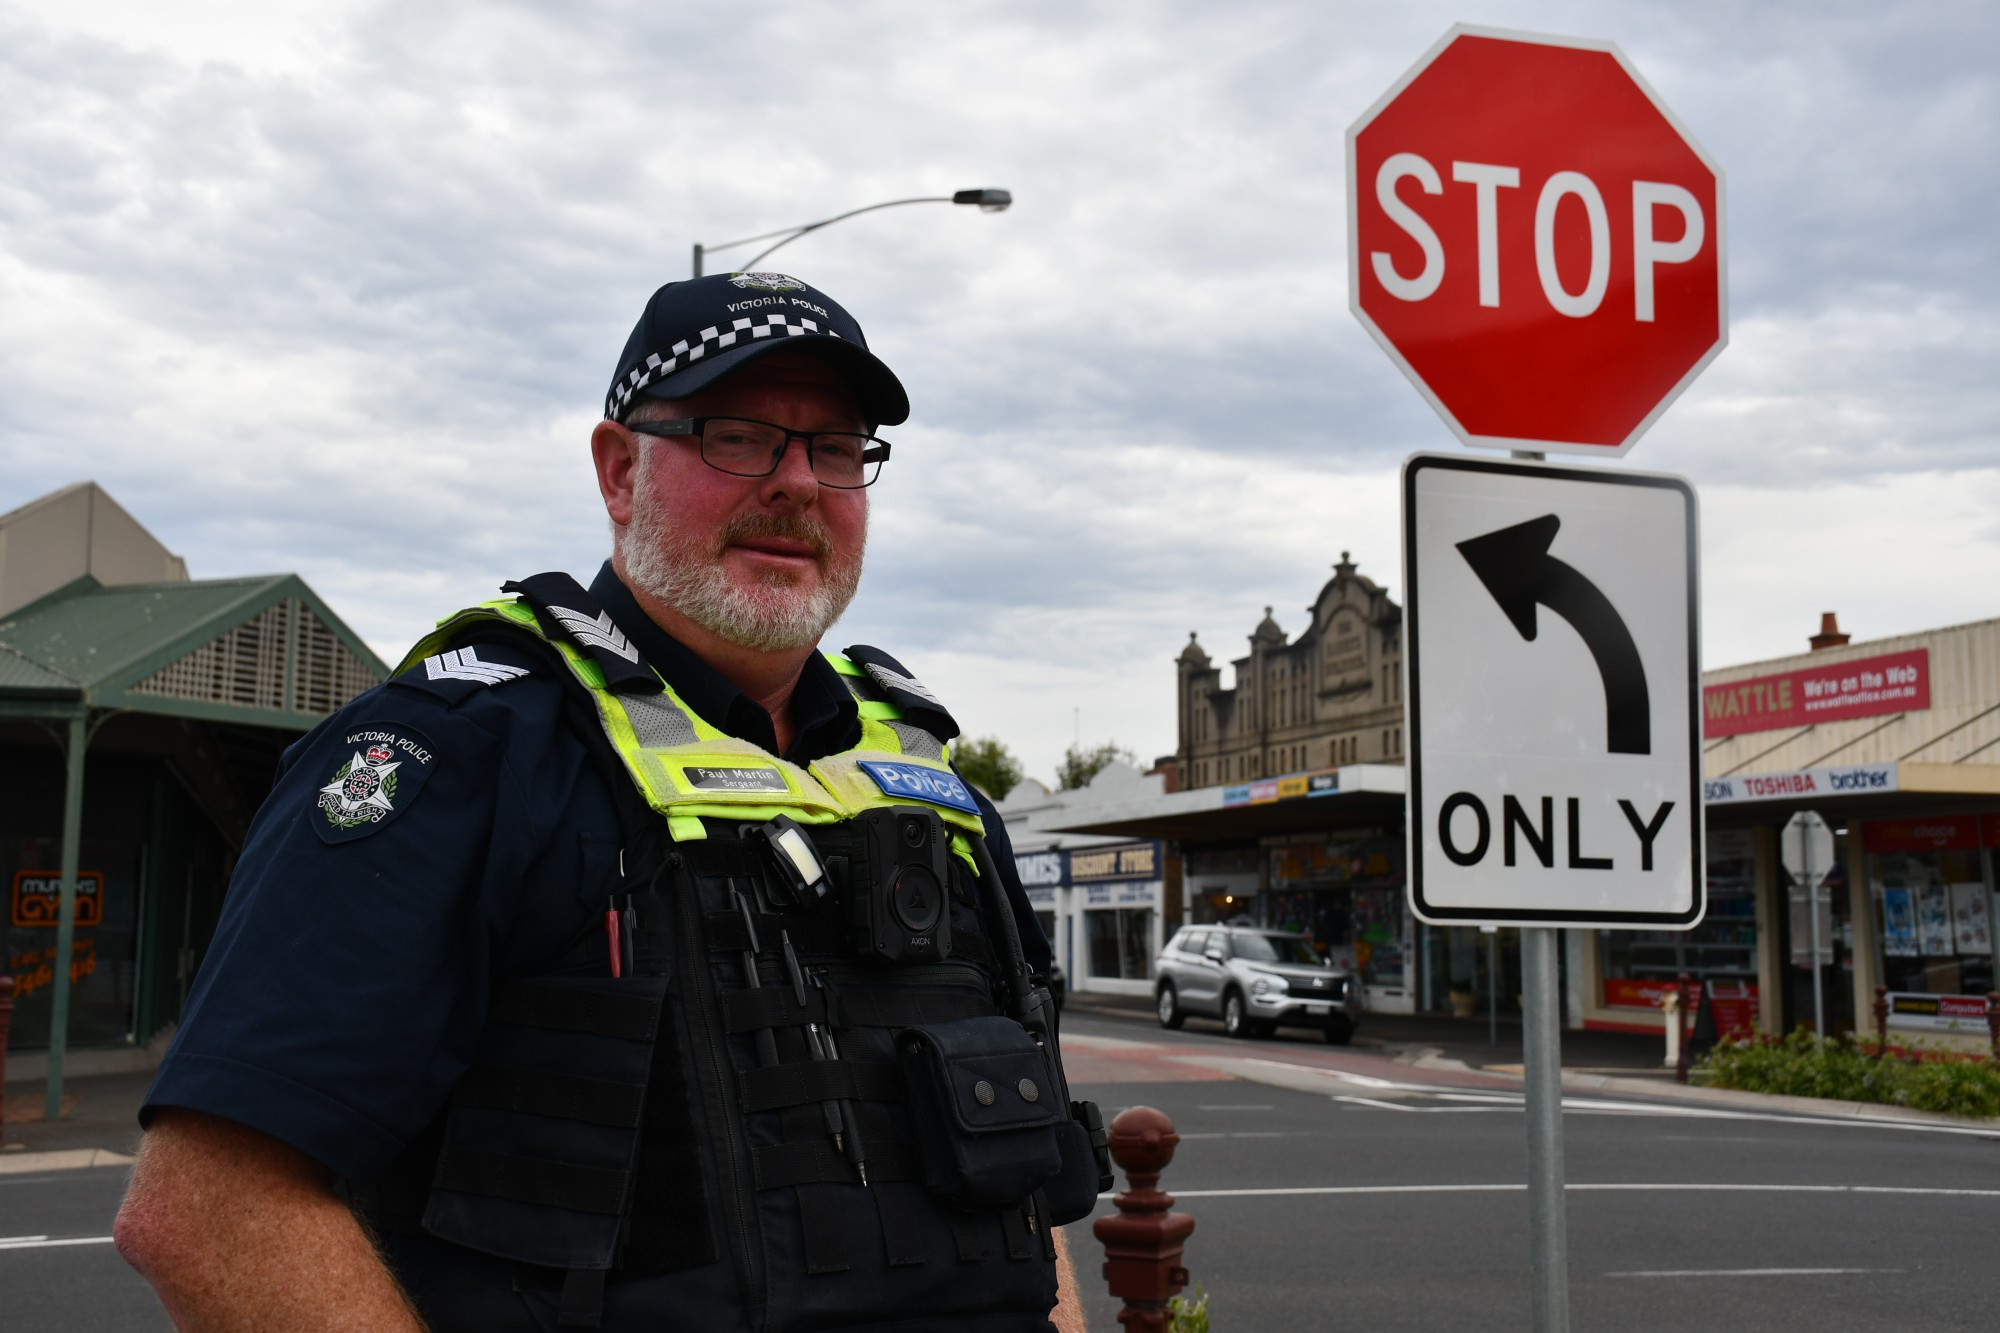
[[1536, 241]]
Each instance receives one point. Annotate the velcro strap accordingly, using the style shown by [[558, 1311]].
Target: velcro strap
[[594, 1101], [811, 1162], [822, 1081], [537, 1180], [603, 1013], [769, 1007]]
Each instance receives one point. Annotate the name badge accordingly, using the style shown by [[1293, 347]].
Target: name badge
[[917, 783], [735, 779]]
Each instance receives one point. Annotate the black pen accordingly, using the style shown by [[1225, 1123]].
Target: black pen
[[767, 1045], [814, 1045], [855, 1155]]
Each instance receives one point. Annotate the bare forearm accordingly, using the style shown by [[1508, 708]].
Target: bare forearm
[[236, 1231]]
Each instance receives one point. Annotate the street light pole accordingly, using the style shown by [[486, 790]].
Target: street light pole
[[986, 200]]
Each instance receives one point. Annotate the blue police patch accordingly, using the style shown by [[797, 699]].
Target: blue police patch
[[918, 783], [387, 769]]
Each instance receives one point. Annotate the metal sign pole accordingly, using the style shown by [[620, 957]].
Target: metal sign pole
[[1541, 1074], [1542, 1071], [1812, 879]]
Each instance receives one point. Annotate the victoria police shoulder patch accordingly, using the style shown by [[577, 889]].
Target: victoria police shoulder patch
[[385, 769]]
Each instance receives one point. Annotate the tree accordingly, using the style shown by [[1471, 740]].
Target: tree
[[987, 763], [1080, 765]]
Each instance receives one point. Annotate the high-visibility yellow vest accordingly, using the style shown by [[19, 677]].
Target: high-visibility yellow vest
[[688, 770]]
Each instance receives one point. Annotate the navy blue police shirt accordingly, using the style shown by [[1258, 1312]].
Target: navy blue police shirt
[[441, 833]]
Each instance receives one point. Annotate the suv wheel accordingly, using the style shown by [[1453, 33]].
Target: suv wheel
[[1168, 1007], [1235, 1015]]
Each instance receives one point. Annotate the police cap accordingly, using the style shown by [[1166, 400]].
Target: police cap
[[694, 332]]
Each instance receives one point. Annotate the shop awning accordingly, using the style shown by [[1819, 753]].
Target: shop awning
[[1359, 795]]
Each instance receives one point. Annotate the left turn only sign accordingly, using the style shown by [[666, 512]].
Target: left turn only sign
[[1553, 681]]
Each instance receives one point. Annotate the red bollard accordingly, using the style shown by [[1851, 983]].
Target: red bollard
[[1993, 1020], [1142, 1240], [1882, 1021], [6, 1022]]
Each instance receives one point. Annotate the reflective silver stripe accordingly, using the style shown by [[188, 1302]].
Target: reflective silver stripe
[[598, 631], [888, 679], [658, 721], [464, 664], [863, 689], [917, 742]]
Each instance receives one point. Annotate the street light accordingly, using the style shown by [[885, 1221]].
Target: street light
[[987, 201]]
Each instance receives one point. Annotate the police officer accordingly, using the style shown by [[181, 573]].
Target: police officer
[[625, 961]]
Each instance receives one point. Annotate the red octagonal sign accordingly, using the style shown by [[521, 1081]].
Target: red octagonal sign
[[1536, 241]]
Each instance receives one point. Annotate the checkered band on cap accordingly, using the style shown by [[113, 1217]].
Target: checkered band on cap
[[713, 339]]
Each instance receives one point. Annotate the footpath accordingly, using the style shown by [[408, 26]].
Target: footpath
[[99, 1125], [1611, 1064]]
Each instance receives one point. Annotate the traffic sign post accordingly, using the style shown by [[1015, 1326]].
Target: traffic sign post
[[1805, 847], [1553, 686], [1538, 244]]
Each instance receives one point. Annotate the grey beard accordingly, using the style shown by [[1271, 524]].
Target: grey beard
[[770, 615]]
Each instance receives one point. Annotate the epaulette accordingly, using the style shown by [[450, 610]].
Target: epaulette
[[566, 610], [458, 673], [905, 691]]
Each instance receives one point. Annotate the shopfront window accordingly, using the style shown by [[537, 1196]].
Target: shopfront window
[[1345, 896], [1121, 943], [1930, 885], [1722, 949]]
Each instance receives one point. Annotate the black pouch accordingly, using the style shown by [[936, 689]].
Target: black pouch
[[1086, 1165], [986, 1116]]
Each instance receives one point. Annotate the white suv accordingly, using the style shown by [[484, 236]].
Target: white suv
[[1254, 981]]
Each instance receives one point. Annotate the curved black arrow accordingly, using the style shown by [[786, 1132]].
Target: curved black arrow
[[1516, 567]]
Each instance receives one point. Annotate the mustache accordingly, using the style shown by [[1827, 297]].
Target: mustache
[[790, 527]]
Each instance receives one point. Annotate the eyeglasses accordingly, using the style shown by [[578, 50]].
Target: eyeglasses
[[844, 460]]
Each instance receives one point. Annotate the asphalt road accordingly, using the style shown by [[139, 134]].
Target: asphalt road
[[1411, 1211], [1336, 1189]]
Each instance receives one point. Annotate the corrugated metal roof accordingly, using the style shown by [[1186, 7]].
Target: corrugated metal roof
[[92, 636], [1961, 726], [18, 673]]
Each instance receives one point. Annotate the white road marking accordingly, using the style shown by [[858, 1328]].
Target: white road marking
[[1238, 1108], [1427, 1110], [1248, 1134], [12, 1240], [43, 1242], [1751, 1272], [1730, 1188]]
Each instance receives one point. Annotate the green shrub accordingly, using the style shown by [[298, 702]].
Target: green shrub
[[1802, 1065], [1189, 1315]]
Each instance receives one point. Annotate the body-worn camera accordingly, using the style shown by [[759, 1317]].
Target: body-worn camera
[[898, 900]]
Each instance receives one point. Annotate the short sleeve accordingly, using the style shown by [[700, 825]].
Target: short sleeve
[[347, 980]]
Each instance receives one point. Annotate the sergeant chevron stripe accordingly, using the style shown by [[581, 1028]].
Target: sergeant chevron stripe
[[464, 664], [598, 632], [888, 679]]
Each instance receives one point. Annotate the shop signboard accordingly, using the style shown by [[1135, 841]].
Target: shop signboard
[[1535, 241], [1937, 1013], [1291, 786], [37, 899], [1735, 1008], [1840, 780], [1553, 688], [1835, 692], [1928, 833]]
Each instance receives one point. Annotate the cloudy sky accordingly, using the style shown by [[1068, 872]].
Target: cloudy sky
[[337, 288]]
